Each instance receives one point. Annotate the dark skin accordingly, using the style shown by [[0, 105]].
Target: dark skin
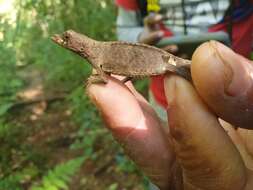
[[198, 151]]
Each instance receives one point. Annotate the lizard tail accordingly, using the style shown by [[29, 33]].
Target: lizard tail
[[184, 71], [179, 66]]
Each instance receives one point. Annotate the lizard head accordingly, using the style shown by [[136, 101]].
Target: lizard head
[[75, 42]]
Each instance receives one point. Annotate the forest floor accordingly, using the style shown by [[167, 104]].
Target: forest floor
[[51, 132]]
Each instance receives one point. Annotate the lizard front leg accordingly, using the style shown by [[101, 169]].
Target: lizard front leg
[[97, 76], [126, 79]]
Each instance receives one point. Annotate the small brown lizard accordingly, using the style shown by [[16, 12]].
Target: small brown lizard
[[123, 58]]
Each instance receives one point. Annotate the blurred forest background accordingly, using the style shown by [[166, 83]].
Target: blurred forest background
[[50, 134]]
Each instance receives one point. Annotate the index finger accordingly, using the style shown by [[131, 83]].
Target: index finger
[[136, 128]]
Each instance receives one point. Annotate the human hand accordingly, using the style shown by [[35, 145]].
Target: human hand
[[151, 33], [196, 152]]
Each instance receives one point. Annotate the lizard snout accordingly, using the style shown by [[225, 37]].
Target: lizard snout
[[58, 39]]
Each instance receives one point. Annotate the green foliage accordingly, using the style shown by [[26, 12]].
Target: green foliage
[[142, 87], [6, 130], [10, 83], [58, 177], [128, 166], [36, 21], [18, 161], [25, 43], [10, 183], [113, 186], [62, 67], [14, 181], [125, 165], [9, 140]]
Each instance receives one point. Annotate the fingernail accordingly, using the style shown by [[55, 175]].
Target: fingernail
[[236, 78], [91, 92], [179, 96], [170, 86]]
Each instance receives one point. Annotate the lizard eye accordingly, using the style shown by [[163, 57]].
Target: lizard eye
[[65, 37], [81, 49]]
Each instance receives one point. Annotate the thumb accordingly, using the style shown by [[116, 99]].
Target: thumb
[[208, 158], [224, 80]]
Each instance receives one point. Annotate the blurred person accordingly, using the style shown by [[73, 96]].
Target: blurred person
[[143, 21], [197, 151]]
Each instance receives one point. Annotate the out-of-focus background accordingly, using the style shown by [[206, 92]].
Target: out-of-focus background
[[51, 136]]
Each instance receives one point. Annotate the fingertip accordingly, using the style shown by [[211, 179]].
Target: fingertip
[[224, 81], [203, 49], [173, 86], [225, 70], [113, 100], [99, 91], [204, 60], [153, 19]]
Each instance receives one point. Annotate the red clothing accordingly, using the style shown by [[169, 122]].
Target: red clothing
[[242, 35], [128, 4], [242, 39]]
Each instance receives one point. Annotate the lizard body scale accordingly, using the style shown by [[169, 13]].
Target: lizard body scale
[[123, 58]]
